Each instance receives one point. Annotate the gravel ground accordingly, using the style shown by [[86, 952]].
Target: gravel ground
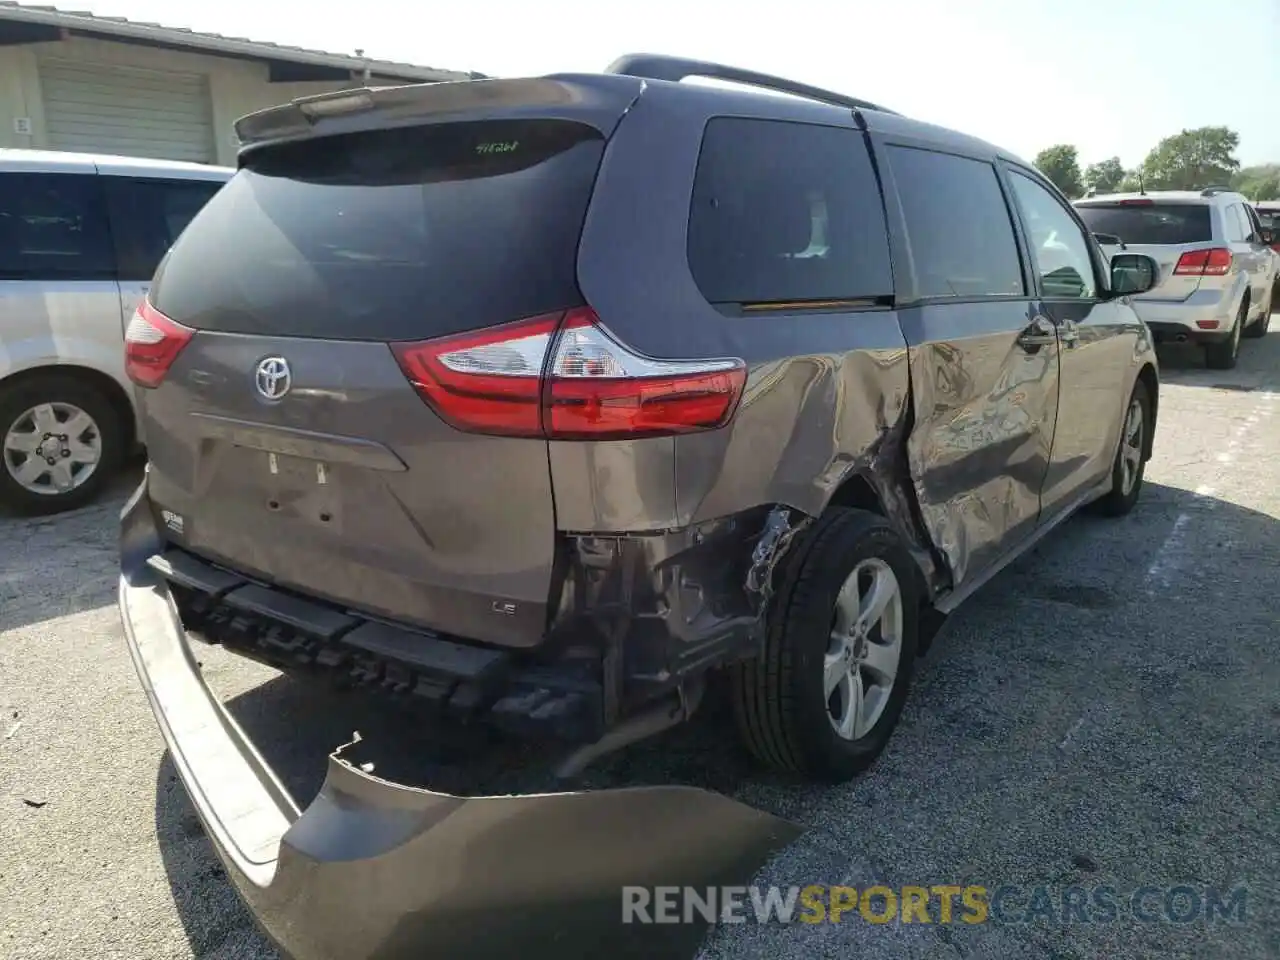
[[1107, 711]]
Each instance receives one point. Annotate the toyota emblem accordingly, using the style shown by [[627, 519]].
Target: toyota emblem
[[273, 378]]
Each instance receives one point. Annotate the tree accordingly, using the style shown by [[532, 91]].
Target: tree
[[1105, 176], [1259, 183], [1132, 181], [1061, 164], [1193, 159]]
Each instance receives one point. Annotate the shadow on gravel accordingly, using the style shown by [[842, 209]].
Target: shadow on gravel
[[1257, 368], [63, 564], [982, 782]]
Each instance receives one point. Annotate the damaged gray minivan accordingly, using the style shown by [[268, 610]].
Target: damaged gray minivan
[[546, 402]]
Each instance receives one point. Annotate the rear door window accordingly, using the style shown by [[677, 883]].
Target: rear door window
[[53, 226], [1150, 223], [958, 225], [147, 216], [397, 234], [1237, 228], [1253, 223], [787, 212]]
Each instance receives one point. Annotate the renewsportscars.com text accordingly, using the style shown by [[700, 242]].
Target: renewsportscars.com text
[[937, 903]]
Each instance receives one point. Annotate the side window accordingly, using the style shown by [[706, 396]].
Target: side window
[[786, 212], [958, 225], [1058, 245], [148, 215], [53, 226], [1234, 224], [1253, 224]]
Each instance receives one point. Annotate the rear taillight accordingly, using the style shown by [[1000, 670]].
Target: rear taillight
[[563, 376], [1206, 263], [151, 343]]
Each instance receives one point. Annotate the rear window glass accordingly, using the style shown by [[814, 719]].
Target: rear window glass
[[1157, 223], [785, 212], [390, 235]]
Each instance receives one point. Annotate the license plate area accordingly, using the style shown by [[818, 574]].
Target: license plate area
[[301, 488]]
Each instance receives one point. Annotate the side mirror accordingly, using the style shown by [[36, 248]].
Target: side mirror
[[1133, 273]]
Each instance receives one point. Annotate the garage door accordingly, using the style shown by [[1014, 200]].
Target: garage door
[[97, 108]]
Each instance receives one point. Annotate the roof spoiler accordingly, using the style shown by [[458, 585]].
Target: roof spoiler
[[652, 66], [300, 117]]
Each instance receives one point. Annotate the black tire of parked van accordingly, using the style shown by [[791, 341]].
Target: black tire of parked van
[[1260, 326], [778, 698], [1223, 354], [1119, 501], [21, 395]]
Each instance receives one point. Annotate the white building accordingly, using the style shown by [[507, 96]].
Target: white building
[[73, 81]]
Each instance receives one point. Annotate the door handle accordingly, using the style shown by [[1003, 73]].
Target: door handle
[[1039, 334]]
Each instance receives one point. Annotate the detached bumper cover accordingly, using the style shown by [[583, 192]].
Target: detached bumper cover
[[377, 869]]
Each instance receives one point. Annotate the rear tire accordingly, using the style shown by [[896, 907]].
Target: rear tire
[[1223, 354], [34, 407], [1130, 463], [823, 634]]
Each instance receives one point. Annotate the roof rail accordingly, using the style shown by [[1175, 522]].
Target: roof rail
[[653, 66], [1214, 191]]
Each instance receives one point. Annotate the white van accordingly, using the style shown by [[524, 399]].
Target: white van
[[80, 237]]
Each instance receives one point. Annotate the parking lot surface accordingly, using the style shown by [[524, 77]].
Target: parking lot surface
[[1105, 712]]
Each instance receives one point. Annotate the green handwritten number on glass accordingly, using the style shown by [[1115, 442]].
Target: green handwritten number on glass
[[498, 147]]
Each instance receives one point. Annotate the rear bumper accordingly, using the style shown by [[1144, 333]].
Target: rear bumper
[[1193, 321], [377, 869], [1164, 332]]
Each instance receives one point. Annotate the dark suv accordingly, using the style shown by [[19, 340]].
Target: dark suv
[[544, 401], [541, 399]]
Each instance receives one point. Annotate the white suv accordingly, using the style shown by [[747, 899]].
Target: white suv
[[80, 237], [1217, 269]]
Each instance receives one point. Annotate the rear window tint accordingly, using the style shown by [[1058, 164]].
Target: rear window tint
[[786, 212], [1168, 223], [390, 235]]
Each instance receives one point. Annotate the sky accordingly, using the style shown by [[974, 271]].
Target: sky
[[1112, 77]]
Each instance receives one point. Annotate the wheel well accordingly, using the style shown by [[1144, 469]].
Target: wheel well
[[1147, 376], [104, 384], [858, 493]]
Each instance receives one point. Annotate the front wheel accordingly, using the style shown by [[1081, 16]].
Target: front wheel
[[1130, 463], [827, 691]]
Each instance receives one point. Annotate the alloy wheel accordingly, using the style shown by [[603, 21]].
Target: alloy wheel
[[864, 649]]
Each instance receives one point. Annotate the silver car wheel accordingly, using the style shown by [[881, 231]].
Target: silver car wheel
[[864, 649], [52, 448], [1131, 447]]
